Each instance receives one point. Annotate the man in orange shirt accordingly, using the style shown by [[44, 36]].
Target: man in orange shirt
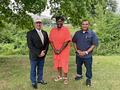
[[60, 42]]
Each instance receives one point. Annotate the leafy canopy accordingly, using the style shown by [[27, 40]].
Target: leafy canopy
[[16, 11]]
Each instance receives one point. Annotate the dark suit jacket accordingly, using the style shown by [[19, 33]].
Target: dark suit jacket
[[35, 44]]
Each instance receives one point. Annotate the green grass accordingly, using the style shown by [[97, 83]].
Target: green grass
[[14, 74]]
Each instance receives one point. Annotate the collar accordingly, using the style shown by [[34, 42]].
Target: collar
[[38, 30], [85, 31]]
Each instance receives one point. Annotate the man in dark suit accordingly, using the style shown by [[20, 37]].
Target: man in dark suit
[[38, 42]]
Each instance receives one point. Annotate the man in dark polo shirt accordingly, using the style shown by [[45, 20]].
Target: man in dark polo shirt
[[85, 41]]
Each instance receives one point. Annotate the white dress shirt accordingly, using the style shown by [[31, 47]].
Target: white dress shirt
[[40, 35]]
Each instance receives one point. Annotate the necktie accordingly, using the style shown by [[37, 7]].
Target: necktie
[[41, 37]]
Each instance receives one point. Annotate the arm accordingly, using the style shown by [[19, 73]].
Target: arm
[[61, 49], [74, 40], [47, 45], [67, 39], [83, 53], [64, 46], [78, 51], [90, 49], [51, 41], [53, 47], [94, 43], [31, 46]]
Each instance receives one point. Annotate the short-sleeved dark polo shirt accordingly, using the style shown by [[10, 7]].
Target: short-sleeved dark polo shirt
[[84, 40]]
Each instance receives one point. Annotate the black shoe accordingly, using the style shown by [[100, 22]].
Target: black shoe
[[88, 82], [78, 77], [34, 86], [42, 82]]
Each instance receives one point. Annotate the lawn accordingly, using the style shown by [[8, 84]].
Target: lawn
[[14, 74]]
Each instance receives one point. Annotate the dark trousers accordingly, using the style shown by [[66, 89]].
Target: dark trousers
[[36, 70], [88, 64]]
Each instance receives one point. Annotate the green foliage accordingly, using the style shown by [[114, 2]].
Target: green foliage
[[108, 29], [46, 22], [106, 24], [13, 40], [17, 12], [76, 10], [112, 5]]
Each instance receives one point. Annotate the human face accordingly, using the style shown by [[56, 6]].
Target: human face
[[38, 25], [59, 23], [85, 25]]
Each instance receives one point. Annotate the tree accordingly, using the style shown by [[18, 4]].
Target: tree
[[76, 10], [17, 11], [112, 5], [108, 30]]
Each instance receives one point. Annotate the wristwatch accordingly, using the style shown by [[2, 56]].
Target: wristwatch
[[86, 52]]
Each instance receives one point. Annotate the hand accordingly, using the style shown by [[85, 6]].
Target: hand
[[81, 53], [42, 54], [78, 51], [57, 51]]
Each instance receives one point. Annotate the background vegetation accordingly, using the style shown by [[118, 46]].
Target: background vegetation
[[13, 38], [15, 22]]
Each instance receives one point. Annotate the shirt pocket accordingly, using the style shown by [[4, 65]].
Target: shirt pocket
[[88, 38]]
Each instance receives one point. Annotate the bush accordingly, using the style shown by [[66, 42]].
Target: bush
[[109, 35]]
